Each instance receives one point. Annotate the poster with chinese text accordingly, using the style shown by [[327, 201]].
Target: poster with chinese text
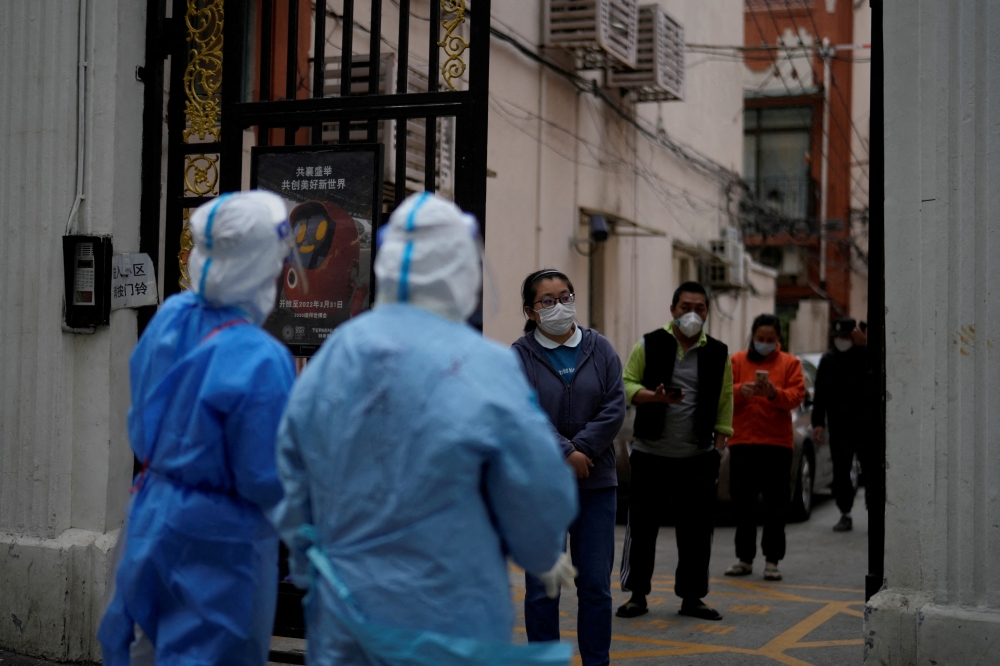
[[334, 196]]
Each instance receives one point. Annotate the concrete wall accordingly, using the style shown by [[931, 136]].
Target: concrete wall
[[64, 455], [942, 141], [555, 150], [808, 332], [733, 313]]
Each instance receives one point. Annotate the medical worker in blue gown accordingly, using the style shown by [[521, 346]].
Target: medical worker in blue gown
[[197, 579], [415, 460]]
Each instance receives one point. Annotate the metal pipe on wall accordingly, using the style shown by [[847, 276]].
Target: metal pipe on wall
[[875, 477]]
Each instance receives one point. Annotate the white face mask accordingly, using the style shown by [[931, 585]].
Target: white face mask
[[557, 320], [764, 348], [690, 324], [842, 344]]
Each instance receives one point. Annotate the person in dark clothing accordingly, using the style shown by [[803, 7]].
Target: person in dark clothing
[[681, 382], [839, 405], [578, 377]]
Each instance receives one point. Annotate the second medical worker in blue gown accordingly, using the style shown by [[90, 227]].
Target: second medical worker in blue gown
[[198, 575], [415, 460]]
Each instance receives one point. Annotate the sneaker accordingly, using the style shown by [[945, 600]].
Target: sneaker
[[771, 572], [845, 524], [634, 607]]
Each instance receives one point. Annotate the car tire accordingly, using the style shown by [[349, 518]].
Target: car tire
[[802, 500]]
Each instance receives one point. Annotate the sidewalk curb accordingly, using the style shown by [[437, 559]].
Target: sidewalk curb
[[11, 659]]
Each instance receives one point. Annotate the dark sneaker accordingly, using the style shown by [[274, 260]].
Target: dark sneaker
[[697, 608], [845, 524], [633, 608]]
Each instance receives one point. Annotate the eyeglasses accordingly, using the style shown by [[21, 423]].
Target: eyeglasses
[[565, 299]]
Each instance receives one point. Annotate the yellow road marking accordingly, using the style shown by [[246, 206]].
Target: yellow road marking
[[758, 597], [694, 647], [799, 631], [819, 587], [776, 649], [750, 609], [640, 654], [769, 591], [719, 629]]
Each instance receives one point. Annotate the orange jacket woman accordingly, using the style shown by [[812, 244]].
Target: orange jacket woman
[[759, 419], [769, 385]]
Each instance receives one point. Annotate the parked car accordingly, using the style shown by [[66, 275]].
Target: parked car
[[812, 466]]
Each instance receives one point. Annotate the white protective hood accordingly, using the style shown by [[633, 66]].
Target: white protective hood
[[239, 250], [429, 256]]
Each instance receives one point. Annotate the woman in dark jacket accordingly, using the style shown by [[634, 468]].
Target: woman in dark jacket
[[578, 377]]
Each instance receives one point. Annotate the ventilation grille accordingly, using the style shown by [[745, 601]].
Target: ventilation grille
[[600, 32], [659, 72]]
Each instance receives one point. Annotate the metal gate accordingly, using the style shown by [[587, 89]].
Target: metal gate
[[412, 75], [296, 72]]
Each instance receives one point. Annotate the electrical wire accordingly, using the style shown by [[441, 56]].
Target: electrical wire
[[81, 120], [412, 14], [844, 135], [601, 155], [781, 76], [788, 89], [661, 189], [687, 153], [833, 79], [722, 52]]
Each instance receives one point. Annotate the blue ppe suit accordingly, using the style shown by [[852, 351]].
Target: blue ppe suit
[[414, 459], [198, 570]]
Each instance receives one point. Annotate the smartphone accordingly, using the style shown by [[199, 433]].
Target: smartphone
[[673, 391], [761, 376]]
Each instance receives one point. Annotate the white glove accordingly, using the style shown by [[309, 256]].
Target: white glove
[[563, 573]]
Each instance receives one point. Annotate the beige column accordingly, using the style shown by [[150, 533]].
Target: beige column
[[64, 456], [942, 148]]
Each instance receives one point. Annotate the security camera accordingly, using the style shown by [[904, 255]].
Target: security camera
[[598, 228]]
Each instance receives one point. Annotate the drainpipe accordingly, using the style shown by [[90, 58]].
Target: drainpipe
[[825, 167]]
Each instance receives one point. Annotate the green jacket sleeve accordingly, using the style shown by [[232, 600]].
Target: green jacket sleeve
[[635, 367], [724, 417]]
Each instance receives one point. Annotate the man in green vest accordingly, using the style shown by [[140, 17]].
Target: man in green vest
[[681, 382]]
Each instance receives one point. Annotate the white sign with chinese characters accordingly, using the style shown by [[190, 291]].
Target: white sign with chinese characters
[[133, 281]]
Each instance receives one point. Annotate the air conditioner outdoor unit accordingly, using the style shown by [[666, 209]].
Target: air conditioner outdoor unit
[[727, 271], [658, 75], [600, 32], [415, 127]]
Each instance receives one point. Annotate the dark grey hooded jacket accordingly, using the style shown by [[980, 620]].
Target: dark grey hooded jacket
[[588, 413]]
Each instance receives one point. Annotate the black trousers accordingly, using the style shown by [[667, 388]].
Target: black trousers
[[844, 443], [687, 486], [758, 469]]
